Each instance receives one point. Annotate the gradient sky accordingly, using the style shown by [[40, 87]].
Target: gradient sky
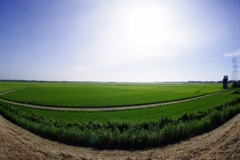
[[118, 40]]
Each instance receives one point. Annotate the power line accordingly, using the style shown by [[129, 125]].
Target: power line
[[232, 8]]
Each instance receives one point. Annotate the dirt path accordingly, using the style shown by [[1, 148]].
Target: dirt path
[[222, 143], [105, 108]]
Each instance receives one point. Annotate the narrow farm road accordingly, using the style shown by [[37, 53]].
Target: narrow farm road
[[105, 108], [222, 143]]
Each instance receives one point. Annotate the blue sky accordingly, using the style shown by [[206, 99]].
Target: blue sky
[[118, 40]]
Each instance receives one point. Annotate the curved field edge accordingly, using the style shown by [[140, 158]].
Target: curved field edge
[[124, 135], [137, 115], [109, 108], [107, 95]]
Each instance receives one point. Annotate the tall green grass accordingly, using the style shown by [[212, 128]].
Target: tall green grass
[[123, 134]]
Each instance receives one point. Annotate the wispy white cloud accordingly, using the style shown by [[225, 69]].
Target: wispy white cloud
[[234, 53], [81, 68], [118, 74]]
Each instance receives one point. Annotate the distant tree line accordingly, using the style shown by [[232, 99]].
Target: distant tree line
[[236, 84]]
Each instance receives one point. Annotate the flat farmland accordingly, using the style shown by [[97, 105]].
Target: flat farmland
[[129, 129], [6, 86], [137, 115], [107, 95], [126, 129]]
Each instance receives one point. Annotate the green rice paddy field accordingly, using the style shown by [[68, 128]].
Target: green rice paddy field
[[6, 86], [88, 94], [137, 115], [126, 129], [103, 95]]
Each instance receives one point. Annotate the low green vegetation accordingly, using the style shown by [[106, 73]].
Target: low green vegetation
[[107, 95], [124, 134], [174, 111], [6, 86], [127, 129], [236, 84]]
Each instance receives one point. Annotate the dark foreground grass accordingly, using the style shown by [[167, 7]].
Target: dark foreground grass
[[122, 134]]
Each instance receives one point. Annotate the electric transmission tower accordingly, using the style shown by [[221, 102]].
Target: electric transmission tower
[[235, 71]]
